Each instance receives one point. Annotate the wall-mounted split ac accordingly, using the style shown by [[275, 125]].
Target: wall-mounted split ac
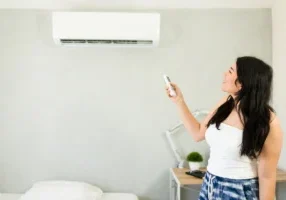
[[106, 29]]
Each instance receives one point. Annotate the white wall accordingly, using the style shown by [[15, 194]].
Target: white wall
[[279, 55], [98, 115]]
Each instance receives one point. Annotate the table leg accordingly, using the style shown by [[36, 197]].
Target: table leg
[[172, 187], [276, 191], [178, 191]]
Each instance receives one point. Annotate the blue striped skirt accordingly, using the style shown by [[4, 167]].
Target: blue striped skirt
[[219, 188]]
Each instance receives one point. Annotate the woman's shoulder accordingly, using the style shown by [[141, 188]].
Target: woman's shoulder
[[273, 117], [275, 127]]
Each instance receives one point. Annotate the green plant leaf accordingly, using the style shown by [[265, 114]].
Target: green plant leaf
[[194, 157]]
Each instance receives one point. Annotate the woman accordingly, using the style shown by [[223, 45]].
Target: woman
[[243, 133]]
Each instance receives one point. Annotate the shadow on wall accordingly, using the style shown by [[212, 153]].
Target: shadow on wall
[[191, 192], [281, 192], [160, 184]]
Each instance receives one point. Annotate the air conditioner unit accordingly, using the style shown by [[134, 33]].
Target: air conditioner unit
[[106, 29]]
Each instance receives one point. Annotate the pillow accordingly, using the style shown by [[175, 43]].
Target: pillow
[[62, 190]]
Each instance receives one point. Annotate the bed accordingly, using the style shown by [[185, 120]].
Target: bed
[[105, 196]]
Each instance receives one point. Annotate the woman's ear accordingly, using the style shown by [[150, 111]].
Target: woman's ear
[[238, 84]]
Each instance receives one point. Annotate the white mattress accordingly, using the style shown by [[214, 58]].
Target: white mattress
[[106, 196], [9, 196]]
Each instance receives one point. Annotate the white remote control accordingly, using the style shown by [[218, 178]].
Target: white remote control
[[168, 83]]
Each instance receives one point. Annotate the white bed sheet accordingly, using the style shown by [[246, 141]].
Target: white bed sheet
[[105, 196]]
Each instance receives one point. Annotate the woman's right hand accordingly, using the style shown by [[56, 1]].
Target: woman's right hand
[[179, 96]]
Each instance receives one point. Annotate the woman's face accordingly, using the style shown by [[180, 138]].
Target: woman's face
[[229, 84]]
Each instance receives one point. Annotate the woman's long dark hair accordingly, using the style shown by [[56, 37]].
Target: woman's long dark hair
[[252, 104]]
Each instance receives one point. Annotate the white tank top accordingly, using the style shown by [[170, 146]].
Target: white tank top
[[225, 159]]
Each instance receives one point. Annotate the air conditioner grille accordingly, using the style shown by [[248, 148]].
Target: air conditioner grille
[[116, 42]]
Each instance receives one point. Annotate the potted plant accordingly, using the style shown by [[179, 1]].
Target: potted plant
[[195, 159]]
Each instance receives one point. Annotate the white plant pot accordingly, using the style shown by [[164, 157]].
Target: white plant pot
[[194, 165]]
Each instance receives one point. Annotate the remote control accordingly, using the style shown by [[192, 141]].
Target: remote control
[[168, 83], [197, 173]]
